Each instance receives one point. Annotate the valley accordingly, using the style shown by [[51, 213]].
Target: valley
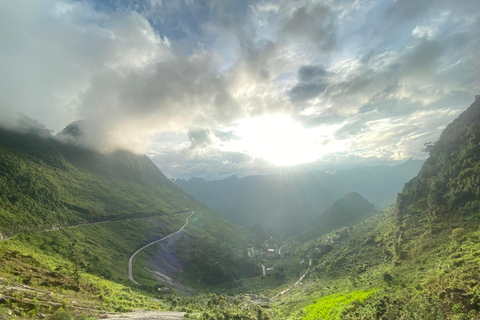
[[96, 235]]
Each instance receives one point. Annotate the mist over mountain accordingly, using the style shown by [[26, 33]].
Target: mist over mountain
[[74, 217], [349, 210], [327, 162], [287, 203], [108, 204]]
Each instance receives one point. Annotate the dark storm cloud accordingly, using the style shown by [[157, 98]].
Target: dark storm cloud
[[311, 73], [378, 80], [306, 91]]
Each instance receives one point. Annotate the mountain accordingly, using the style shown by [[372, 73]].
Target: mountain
[[349, 210], [418, 259], [280, 203], [46, 182], [446, 191], [67, 202], [288, 203]]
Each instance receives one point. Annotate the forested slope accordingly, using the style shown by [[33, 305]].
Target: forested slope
[[46, 182]]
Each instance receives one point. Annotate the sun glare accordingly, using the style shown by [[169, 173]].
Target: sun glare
[[278, 139]]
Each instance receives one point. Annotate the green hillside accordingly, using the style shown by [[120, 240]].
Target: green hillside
[[46, 183], [73, 216], [417, 260]]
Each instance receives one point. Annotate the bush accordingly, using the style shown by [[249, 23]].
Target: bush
[[61, 315]]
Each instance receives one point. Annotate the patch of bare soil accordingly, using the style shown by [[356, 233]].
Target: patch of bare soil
[[147, 315], [165, 266]]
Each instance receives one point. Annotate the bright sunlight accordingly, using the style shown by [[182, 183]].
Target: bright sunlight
[[278, 139]]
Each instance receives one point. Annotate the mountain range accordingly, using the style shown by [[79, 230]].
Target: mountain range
[[288, 203], [71, 217]]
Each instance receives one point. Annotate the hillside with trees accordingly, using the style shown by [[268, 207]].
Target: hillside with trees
[[418, 259]]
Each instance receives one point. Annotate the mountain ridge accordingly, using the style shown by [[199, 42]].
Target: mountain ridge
[[295, 199], [349, 210]]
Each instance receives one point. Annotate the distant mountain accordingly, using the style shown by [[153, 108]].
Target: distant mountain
[[288, 203], [347, 211], [280, 203]]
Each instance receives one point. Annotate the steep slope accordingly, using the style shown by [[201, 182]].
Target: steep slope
[[347, 211], [447, 187], [46, 182], [420, 257], [289, 202], [99, 208]]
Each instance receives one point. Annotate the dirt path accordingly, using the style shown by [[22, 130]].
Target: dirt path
[[130, 261], [148, 315]]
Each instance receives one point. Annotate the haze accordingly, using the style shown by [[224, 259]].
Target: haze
[[211, 88]]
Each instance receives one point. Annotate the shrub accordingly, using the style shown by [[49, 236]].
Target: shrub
[[61, 315]]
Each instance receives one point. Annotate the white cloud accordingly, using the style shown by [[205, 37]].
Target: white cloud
[[424, 32], [385, 72]]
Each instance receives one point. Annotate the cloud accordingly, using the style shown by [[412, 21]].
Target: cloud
[[313, 80], [147, 75], [406, 10], [315, 24], [422, 60], [213, 164], [201, 138]]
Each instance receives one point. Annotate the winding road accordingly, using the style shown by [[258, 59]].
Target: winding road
[[130, 261]]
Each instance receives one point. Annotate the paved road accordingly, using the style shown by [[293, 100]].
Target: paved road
[[83, 224], [130, 261]]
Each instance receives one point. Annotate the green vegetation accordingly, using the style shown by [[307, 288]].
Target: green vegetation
[[418, 259], [332, 307], [74, 216], [422, 255], [34, 283], [46, 184]]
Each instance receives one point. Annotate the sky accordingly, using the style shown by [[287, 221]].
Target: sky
[[213, 88]]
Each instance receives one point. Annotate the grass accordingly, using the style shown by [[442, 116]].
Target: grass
[[331, 307], [32, 284]]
